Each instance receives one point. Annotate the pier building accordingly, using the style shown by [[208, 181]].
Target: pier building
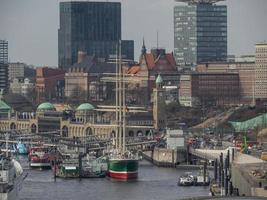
[[83, 121]]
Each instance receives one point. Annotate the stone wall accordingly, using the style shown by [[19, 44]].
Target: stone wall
[[165, 157]]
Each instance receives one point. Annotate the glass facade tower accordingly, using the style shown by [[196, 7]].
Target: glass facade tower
[[93, 27], [200, 33], [3, 65]]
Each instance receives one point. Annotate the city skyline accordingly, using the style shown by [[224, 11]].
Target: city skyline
[[25, 36]]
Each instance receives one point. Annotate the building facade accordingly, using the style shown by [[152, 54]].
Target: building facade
[[200, 32], [246, 71], [185, 90], [46, 83], [3, 65], [16, 70], [83, 79], [23, 87], [84, 121], [143, 76], [209, 89], [261, 71], [93, 27], [77, 84]]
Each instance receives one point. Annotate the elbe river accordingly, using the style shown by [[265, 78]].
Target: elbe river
[[153, 183]]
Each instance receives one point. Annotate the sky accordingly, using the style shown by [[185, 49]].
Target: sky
[[31, 27]]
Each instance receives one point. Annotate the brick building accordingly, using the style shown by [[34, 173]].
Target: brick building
[[145, 73], [209, 89], [246, 71], [46, 83], [83, 79]]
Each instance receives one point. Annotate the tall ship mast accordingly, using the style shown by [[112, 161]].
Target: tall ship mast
[[122, 164]]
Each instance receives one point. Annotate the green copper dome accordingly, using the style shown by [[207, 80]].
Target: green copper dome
[[85, 107], [4, 106], [46, 106], [159, 79]]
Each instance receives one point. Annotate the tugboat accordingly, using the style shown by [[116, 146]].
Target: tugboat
[[39, 158], [186, 180]]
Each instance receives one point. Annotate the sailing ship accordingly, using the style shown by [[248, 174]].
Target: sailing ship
[[122, 164]]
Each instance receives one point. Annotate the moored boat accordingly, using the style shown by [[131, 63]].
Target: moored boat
[[39, 158], [11, 177], [89, 167], [186, 180], [67, 171], [11, 148], [22, 148]]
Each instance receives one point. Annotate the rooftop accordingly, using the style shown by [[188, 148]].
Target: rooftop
[[46, 106], [192, 2], [91, 64], [159, 79], [85, 107], [4, 106], [262, 43]]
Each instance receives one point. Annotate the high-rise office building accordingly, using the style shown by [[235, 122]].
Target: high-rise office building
[[92, 27], [3, 65], [261, 71], [200, 32]]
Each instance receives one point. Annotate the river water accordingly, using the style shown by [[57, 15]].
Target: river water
[[153, 184]]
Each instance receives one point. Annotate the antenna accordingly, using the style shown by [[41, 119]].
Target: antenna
[[157, 39]]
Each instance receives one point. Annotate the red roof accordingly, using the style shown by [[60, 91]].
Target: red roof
[[167, 62], [134, 69], [150, 60], [170, 59]]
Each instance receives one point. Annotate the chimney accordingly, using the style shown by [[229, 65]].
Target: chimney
[[81, 56]]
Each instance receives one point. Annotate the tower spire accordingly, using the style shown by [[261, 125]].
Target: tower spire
[[143, 47]]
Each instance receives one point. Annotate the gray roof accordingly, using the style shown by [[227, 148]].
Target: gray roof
[[87, 62], [92, 65]]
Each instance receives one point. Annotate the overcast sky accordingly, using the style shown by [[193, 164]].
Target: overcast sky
[[31, 26]]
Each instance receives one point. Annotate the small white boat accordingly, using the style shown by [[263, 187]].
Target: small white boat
[[186, 180]]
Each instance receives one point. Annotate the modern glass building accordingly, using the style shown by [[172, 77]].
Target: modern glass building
[[93, 27], [200, 32], [3, 65]]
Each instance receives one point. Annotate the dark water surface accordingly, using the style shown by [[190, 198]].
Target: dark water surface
[[153, 184]]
